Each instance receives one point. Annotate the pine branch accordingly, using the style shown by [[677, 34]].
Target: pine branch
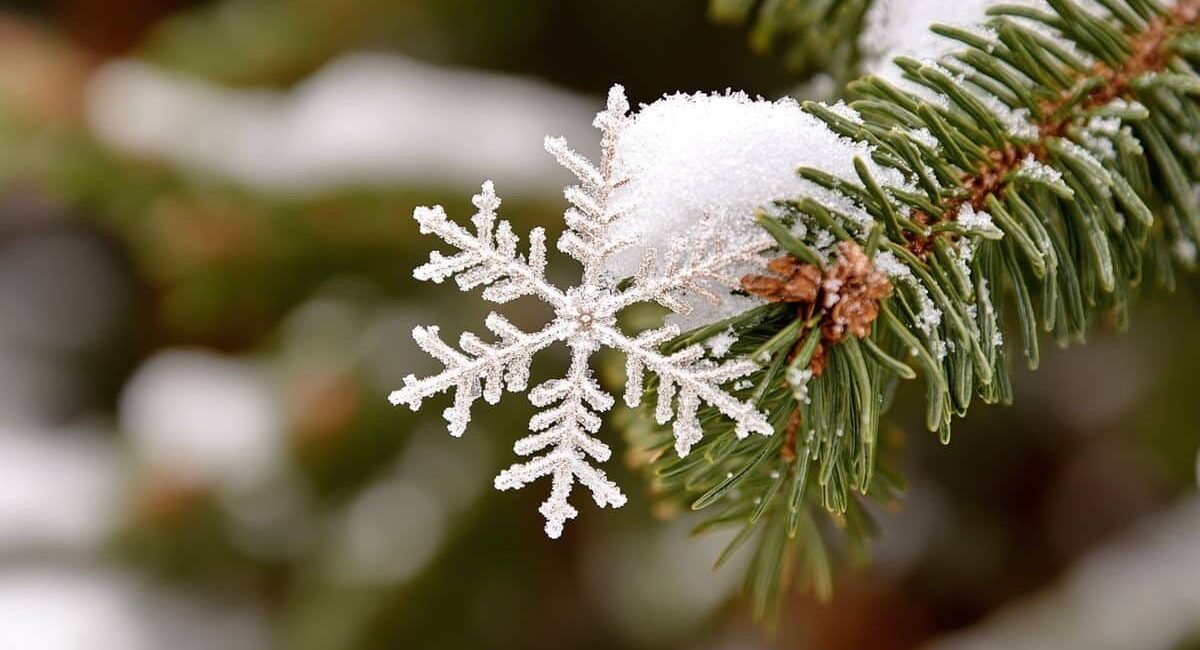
[[817, 35], [1055, 156]]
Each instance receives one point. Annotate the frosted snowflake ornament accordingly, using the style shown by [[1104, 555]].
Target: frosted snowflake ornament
[[562, 437]]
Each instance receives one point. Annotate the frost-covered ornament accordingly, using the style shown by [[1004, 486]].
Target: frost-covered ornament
[[586, 321]]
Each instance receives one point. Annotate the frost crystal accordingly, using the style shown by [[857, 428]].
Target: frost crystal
[[562, 432], [1032, 169], [980, 222], [798, 379], [719, 344]]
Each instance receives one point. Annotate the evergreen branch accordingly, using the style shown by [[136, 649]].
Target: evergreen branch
[[817, 35], [1053, 158]]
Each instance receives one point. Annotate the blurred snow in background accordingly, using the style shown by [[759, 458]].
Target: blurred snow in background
[[80, 608], [364, 119], [204, 420], [59, 490], [1140, 591], [76, 455]]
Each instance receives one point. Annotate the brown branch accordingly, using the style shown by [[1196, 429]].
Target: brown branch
[[1148, 54]]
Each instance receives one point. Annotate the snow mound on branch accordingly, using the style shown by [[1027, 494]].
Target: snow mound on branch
[[894, 28], [723, 156]]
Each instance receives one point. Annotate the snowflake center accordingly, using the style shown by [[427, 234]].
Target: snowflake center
[[588, 309]]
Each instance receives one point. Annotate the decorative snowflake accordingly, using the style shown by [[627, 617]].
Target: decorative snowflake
[[586, 320]]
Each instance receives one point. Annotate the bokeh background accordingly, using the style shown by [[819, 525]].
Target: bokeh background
[[205, 296]]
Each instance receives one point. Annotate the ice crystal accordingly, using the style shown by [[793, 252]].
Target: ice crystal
[[720, 344], [562, 432], [974, 221], [1034, 170], [798, 379]]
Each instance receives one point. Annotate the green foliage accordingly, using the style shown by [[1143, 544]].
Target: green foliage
[[1085, 212], [809, 35]]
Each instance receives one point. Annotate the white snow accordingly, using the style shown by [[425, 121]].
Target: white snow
[[894, 28], [724, 156], [798, 379], [975, 221], [1030, 167], [720, 343]]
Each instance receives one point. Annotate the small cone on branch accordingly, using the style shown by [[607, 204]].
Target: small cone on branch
[[853, 288], [849, 290]]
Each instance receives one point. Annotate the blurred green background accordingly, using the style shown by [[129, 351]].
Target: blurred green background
[[205, 258]]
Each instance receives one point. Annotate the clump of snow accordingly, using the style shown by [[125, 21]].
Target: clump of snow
[[798, 379], [1098, 136], [894, 28], [841, 109], [725, 156], [1031, 168], [720, 344], [975, 221], [942, 348], [924, 137], [1016, 121]]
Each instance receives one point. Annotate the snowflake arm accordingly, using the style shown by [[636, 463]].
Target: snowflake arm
[[693, 265], [566, 428], [686, 379], [479, 370], [588, 237], [489, 257]]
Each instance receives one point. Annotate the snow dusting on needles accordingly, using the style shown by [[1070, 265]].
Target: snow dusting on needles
[[724, 156], [901, 28], [894, 28]]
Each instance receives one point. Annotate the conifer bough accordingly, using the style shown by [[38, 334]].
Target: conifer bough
[[1056, 158], [1041, 175]]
